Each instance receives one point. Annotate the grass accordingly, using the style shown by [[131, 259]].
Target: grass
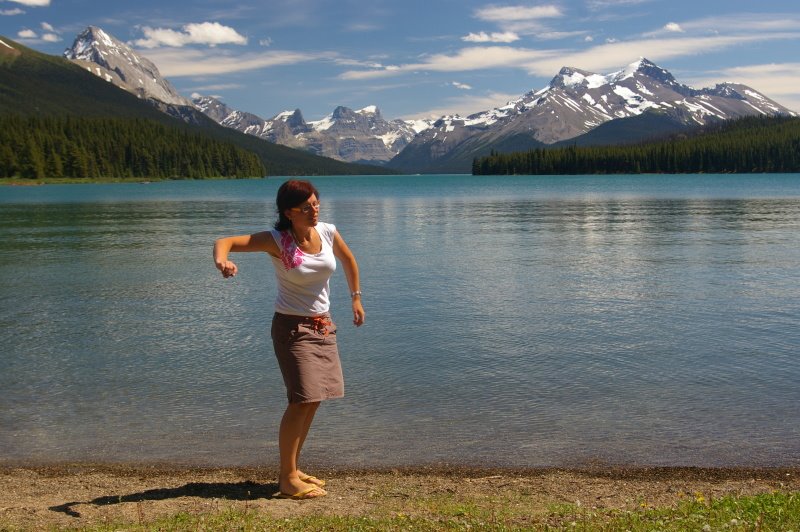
[[777, 511]]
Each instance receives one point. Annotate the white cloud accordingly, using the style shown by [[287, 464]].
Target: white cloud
[[744, 23], [464, 105], [191, 62], [519, 19], [588, 38], [11, 12], [555, 35], [475, 58], [265, 42], [210, 33], [462, 86], [363, 27], [605, 4], [27, 34], [673, 27], [517, 13], [51, 37], [32, 3], [508, 36], [343, 61], [215, 87], [48, 27]]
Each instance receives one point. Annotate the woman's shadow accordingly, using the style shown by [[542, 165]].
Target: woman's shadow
[[239, 491]]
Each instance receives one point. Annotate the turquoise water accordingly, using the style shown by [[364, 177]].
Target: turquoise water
[[518, 321]]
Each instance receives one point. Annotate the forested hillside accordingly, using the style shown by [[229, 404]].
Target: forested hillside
[[746, 145], [39, 147]]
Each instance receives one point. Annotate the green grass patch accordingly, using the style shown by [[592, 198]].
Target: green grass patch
[[766, 512]]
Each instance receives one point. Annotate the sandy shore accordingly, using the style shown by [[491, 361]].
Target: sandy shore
[[75, 495]]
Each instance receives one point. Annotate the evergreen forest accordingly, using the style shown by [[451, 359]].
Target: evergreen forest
[[35, 147], [746, 145]]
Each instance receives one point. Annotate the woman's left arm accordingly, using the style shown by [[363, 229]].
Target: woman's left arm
[[345, 256]]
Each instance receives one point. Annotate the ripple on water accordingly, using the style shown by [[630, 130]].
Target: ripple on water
[[539, 327]]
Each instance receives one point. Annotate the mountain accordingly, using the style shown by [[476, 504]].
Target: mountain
[[346, 135], [116, 62], [635, 103], [33, 84]]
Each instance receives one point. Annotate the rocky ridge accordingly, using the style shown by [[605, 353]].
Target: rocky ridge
[[347, 135]]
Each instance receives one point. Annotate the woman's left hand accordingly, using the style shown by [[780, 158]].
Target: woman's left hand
[[358, 312]]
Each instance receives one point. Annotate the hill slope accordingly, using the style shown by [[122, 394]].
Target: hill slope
[[746, 145]]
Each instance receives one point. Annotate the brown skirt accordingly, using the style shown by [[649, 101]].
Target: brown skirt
[[308, 357]]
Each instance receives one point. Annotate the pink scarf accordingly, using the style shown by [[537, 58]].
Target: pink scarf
[[291, 256]]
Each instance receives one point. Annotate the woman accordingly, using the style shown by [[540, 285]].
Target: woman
[[304, 252]]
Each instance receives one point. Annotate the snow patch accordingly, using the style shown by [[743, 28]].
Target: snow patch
[[284, 115], [755, 95], [370, 109], [626, 93], [573, 80], [390, 138], [595, 81], [760, 111], [418, 125], [643, 89], [322, 125], [627, 72], [572, 104]]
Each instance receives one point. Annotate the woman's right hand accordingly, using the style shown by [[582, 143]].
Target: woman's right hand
[[227, 267]]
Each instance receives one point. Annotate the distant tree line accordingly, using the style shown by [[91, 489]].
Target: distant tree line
[[746, 145], [84, 147]]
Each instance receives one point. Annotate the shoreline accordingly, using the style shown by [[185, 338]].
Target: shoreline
[[90, 494], [445, 470]]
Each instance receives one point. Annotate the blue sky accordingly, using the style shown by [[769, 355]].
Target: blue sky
[[415, 58]]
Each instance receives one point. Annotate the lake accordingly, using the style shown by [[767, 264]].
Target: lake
[[511, 321]]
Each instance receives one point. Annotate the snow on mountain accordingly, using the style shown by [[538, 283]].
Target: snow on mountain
[[117, 63], [346, 135], [577, 101]]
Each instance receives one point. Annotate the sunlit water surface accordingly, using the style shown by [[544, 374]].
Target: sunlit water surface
[[512, 321]]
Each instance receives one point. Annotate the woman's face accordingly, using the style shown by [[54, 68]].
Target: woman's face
[[307, 213]]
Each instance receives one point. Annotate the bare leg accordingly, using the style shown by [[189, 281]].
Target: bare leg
[[308, 421], [293, 430]]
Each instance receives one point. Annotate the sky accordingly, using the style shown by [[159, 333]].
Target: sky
[[421, 59]]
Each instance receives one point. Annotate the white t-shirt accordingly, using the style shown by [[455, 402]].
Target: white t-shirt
[[303, 279]]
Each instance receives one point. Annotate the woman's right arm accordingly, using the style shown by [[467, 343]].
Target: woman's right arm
[[262, 241]]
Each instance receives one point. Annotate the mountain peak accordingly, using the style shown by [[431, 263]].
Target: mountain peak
[[116, 62], [369, 110], [93, 44], [575, 77], [645, 67], [342, 112]]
